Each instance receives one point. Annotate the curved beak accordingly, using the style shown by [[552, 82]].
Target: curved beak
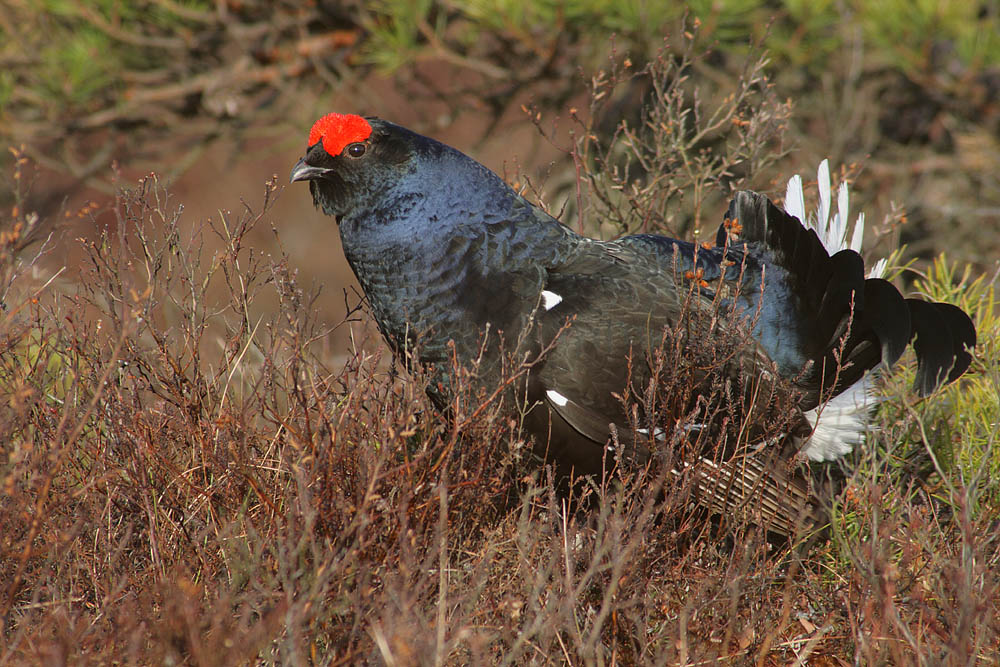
[[306, 172]]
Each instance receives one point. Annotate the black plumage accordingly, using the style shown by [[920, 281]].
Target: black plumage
[[445, 249]]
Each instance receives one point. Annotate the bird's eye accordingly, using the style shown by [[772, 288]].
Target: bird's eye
[[356, 150]]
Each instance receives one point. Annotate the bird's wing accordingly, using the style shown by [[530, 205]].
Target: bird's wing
[[624, 316], [620, 320]]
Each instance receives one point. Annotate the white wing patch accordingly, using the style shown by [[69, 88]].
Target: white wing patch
[[658, 433], [550, 299], [555, 396]]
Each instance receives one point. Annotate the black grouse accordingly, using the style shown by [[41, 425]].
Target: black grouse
[[447, 252]]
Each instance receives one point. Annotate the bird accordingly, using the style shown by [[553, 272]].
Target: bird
[[773, 323]]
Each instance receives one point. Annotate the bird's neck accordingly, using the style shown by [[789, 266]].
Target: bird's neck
[[420, 259]]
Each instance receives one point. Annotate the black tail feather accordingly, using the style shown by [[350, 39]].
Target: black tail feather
[[853, 323], [892, 326], [823, 285], [942, 337], [791, 245], [844, 288], [828, 290]]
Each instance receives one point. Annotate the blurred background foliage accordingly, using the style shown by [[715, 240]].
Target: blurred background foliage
[[66, 59], [910, 89]]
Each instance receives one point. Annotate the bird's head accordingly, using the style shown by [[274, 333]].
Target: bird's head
[[352, 161]]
